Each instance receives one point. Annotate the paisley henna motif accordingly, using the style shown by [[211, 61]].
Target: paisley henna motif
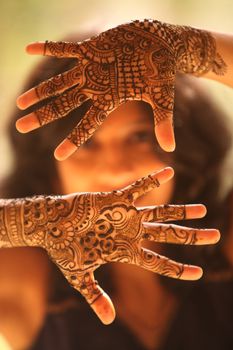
[[83, 231], [134, 61]]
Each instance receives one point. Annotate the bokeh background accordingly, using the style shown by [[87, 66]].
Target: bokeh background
[[24, 21]]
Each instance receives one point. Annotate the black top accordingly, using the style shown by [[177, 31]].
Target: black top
[[204, 321]]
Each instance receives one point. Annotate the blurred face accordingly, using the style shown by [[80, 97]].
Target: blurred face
[[122, 150]]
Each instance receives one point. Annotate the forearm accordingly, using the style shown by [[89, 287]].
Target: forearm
[[224, 47], [205, 53]]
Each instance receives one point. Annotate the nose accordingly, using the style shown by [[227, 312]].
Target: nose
[[115, 170]]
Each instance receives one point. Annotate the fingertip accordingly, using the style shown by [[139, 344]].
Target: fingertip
[[163, 175], [169, 171], [104, 309], [202, 210], [20, 102], [19, 127], [218, 236], [165, 135], [208, 236], [27, 123], [27, 99], [168, 146], [194, 211], [35, 48], [64, 150], [214, 236], [28, 48], [192, 273], [198, 274]]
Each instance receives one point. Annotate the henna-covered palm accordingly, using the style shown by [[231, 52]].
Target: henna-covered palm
[[83, 231], [135, 61]]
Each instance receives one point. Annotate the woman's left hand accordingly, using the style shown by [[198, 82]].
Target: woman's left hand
[[83, 231]]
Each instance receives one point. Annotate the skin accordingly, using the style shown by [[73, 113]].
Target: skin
[[43, 221], [82, 231], [222, 46], [120, 151], [134, 61], [114, 157]]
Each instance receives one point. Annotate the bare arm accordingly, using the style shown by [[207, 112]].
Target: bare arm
[[224, 48]]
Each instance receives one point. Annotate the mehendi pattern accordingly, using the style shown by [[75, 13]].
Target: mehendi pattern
[[83, 231], [134, 61]]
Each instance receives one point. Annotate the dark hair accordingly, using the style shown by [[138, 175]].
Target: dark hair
[[203, 142]]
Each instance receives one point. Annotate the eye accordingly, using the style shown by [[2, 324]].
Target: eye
[[141, 136], [89, 144]]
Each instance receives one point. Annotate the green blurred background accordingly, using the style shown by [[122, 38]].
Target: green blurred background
[[24, 21]]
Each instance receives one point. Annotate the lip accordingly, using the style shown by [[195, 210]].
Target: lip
[[105, 188]]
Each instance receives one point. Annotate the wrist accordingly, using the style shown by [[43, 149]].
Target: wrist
[[11, 227], [196, 51]]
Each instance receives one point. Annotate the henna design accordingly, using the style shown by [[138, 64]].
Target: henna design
[[165, 213], [11, 226], [170, 234], [83, 231], [198, 53], [135, 61]]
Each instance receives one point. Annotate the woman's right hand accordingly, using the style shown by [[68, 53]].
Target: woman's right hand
[[134, 61]]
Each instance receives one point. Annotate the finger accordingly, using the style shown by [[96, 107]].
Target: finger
[[99, 301], [156, 263], [54, 48], [81, 133], [146, 184], [164, 233], [165, 134], [51, 87], [161, 213], [104, 308], [162, 102], [57, 108]]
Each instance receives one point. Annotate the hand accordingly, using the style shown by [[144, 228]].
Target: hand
[[83, 231], [136, 61]]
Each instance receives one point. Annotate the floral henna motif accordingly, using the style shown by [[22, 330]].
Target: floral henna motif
[[83, 231], [197, 55], [135, 61]]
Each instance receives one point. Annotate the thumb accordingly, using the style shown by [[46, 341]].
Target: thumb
[[96, 297], [103, 307], [162, 103]]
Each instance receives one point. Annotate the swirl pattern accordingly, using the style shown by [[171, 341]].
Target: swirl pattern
[[134, 61], [83, 231]]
